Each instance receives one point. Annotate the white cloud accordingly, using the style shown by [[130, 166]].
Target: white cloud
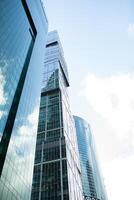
[[120, 178], [111, 114], [4, 66], [113, 98], [27, 132], [2, 95], [2, 83], [22, 147], [131, 29]]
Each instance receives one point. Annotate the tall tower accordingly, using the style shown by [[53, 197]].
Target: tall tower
[[56, 169], [23, 29], [92, 181]]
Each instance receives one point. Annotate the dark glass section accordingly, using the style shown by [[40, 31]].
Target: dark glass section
[[65, 180], [21, 38], [51, 181], [52, 44], [50, 148], [36, 182]]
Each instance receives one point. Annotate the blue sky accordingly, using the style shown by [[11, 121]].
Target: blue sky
[[99, 31], [98, 42]]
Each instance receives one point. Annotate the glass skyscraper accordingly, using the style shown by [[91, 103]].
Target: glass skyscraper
[[92, 181], [56, 173], [23, 29]]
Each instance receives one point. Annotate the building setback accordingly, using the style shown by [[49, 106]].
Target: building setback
[[23, 29], [56, 170], [92, 181]]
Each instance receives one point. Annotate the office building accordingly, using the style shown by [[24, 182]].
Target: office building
[[23, 29], [92, 181], [57, 169]]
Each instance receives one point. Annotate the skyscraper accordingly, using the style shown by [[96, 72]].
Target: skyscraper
[[23, 29], [92, 181], [56, 169]]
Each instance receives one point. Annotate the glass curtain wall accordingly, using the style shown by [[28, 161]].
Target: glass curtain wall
[[92, 181], [23, 29], [56, 171]]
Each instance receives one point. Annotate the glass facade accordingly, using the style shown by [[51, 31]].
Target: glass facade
[[56, 173], [92, 181], [23, 29]]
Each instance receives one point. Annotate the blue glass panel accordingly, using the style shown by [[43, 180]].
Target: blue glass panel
[[17, 42]]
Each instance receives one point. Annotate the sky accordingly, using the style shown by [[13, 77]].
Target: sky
[[98, 41]]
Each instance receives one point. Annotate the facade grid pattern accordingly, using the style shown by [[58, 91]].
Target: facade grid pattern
[[56, 154], [92, 181]]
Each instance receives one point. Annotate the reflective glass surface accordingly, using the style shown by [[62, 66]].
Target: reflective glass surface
[[19, 51], [13, 51], [92, 181], [56, 170]]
